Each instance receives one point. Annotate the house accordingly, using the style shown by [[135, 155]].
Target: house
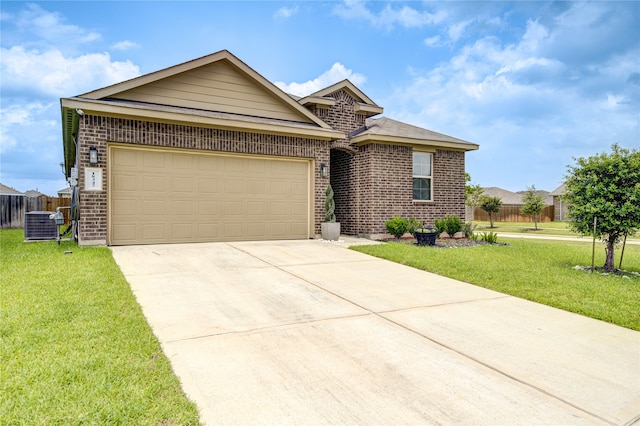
[[65, 192], [560, 207], [512, 206], [210, 150], [12, 207]]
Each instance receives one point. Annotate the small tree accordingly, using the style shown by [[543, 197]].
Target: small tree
[[472, 193], [490, 205], [329, 205], [605, 187], [532, 204]]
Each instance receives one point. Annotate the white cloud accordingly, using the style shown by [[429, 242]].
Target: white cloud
[[338, 72], [432, 41], [286, 12], [50, 26], [125, 45], [50, 73], [16, 117], [404, 16]]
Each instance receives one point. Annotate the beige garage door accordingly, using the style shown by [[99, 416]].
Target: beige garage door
[[161, 196]]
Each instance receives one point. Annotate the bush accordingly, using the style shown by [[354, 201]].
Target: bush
[[413, 225], [449, 224], [397, 226], [468, 228], [490, 237]]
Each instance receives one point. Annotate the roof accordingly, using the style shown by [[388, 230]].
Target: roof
[[200, 92], [559, 190], [7, 190], [506, 196], [363, 104], [388, 130], [33, 193], [515, 198]]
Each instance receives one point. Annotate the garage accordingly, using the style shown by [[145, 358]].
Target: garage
[[161, 195]]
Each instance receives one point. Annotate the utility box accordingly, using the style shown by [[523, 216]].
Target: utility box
[[39, 226]]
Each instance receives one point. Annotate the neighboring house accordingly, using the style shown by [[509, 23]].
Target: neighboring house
[[34, 193], [511, 210], [209, 150], [64, 193], [12, 207], [508, 198], [560, 208]]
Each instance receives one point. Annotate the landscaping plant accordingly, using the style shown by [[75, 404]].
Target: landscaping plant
[[397, 226], [329, 205], [532, 204], [490, 205], [603, 192], [449, 224]]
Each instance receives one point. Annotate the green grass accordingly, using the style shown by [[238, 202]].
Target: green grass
[[538, 270], [544, 228], [75, 347]]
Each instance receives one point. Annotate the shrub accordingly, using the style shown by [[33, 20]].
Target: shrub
[[490, 237], [468, 228], [397, 226], [413, 225], [449, 224]]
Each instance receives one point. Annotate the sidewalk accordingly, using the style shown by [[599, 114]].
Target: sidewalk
[[557, 237]]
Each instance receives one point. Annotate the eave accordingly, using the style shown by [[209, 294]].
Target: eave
[[401, 140]]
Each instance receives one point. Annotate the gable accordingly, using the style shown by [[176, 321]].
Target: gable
[[215, 87], [219, 83], [362, 104]]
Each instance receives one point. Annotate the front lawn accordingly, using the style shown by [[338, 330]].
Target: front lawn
[[74, 344], [544, 228], [541, 271]]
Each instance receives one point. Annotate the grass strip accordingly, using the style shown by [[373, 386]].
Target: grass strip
[[75, 347], [541, 271]]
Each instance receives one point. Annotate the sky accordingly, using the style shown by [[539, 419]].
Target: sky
[[535, 84]]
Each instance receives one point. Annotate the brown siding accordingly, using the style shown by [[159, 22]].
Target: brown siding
[[98, 131]]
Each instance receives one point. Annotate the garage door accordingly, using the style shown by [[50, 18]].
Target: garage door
[[161, 196]]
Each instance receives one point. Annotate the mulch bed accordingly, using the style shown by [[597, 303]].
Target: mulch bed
[[446, 242]]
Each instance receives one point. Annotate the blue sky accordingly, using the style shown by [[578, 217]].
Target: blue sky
[[533, 83]]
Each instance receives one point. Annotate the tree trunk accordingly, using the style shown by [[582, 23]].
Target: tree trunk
[[608, 263], [490, 220]]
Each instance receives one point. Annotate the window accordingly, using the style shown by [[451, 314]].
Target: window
[[422, 176]]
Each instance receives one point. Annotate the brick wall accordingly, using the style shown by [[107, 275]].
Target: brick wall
[[98, 131], [385, 176], [372, 183]]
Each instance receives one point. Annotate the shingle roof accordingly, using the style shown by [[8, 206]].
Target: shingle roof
[[6, 190], [392, 128], [507, 197], [559, 190]]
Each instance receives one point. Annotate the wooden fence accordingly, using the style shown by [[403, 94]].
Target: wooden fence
[[513, 214], [13, 208]]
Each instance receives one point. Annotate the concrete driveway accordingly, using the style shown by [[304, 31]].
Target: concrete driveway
[[308, 332]]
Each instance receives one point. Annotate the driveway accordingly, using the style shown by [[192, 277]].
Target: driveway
[[308, 332]]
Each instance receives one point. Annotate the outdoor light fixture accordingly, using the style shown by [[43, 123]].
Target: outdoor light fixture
[[324, 170], [93, 155]]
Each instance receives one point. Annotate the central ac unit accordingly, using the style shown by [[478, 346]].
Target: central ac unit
[[38, 226]]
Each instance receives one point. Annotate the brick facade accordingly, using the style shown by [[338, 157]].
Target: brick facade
[[373, 182], [99, 131]]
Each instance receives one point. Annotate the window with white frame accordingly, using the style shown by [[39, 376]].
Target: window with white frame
[[422, 178]]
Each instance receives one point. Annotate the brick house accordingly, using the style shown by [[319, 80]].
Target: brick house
[[209, 150]]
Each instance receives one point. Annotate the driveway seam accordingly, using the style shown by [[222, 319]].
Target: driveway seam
[[271, 327], [441, 344]]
